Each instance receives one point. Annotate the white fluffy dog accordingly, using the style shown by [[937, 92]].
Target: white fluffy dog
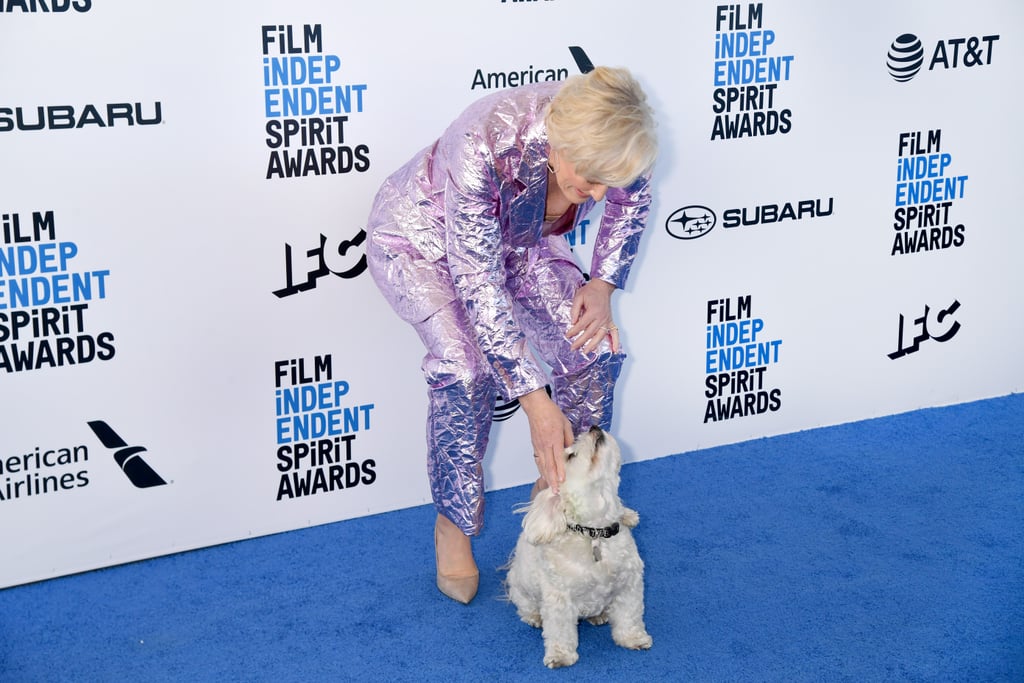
[[576, 558]]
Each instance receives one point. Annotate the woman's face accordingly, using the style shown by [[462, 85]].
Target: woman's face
[[576, 188]]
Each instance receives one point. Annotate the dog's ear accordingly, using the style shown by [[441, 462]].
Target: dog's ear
[[545, 519], [630, 517]]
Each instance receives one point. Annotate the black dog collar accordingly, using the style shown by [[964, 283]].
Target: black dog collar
[[595, 532]]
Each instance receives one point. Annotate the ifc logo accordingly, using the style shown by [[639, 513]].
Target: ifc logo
[[906, 55], [691, 222]]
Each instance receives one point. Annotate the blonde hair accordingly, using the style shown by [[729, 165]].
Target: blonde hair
[[601, 122]]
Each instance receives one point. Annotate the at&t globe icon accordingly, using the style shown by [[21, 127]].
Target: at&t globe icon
[[906, 55]]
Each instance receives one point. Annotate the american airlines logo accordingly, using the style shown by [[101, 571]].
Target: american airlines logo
[[127, 457]]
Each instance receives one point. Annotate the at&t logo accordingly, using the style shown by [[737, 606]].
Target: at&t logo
[[906, 54]]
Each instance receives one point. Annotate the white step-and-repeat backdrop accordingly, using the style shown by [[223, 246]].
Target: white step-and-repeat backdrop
[[192, 351]]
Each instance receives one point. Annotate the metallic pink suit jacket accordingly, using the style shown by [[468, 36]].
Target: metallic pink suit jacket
[[449, 222]]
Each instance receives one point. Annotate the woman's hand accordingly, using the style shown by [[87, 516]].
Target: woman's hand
[[592, 317], [550, 433]]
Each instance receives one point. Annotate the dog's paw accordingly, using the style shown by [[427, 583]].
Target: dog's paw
[[633, 640], [556, 657], [598, 620], [630, 517]]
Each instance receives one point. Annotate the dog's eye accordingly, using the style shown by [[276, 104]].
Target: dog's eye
[[570, 455]]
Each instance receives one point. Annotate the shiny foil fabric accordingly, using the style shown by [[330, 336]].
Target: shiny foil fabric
[[456, 247]]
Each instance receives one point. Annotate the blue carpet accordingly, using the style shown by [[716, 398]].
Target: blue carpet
[[885, 550]]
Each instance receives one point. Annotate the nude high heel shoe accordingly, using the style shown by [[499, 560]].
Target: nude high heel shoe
[[460, 585]]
